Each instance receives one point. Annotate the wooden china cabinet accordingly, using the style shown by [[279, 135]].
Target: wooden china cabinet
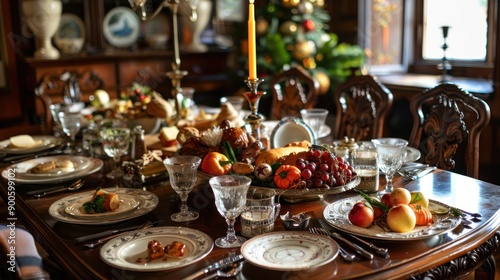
[[102, 64]]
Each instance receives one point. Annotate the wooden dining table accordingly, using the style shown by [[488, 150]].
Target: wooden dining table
[[453, 253]]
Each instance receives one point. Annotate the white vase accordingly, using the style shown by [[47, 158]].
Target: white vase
[[193, 29], [43, 17]]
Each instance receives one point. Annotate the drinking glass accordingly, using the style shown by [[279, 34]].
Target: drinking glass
[[315, 118], [70, 125], [230, 199], [390, 155], [115, 142], [182, 171]]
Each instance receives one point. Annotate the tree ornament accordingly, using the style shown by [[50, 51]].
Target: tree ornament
[[318, 3], [288, 28], [324, 82], [309, 25], [261, 26], [271, 10], [303, 49], [290, 3], [306, 8], [309, 63]]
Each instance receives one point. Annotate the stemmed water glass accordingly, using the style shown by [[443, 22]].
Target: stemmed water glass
[[230, 199], [182, 171], [70, 124], [390, 155], [115, 142]]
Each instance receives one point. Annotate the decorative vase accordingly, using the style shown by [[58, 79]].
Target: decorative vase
[[193, 29], [43, 17]]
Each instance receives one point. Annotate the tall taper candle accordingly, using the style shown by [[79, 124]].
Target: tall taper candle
[[252, 60]]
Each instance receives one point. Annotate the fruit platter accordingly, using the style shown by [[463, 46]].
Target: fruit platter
[[398, 216], [296, 170]]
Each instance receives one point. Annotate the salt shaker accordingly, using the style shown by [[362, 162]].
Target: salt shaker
[[138, 145]]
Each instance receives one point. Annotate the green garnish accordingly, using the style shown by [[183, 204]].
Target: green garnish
[[95, 206]]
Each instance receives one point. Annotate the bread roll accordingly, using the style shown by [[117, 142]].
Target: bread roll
[[111, 202], [43, 167], [23, 141], [278, 154], [65, 165]]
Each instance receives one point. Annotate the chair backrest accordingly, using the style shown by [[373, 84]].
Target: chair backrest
[[293, 89], [361, 105], [447, 124]]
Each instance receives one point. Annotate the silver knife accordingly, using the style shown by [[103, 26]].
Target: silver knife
[[221, 264], [422, 173], [109, 232], [355, 247]]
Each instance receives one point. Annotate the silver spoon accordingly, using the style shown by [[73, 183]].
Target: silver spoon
[[73, 187], [235, 269]]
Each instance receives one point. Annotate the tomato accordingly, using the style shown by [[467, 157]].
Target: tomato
[[215, 163], [287, 176]]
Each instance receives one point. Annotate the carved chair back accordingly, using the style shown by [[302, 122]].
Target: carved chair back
[[447, 124], [292, 90], [361, 105]]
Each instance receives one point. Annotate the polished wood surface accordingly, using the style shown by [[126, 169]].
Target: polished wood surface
[[407, 259]]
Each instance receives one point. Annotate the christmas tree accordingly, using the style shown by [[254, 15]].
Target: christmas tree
[[291, 32]]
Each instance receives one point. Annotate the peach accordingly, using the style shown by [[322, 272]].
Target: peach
[[400, 196], [401, 218]]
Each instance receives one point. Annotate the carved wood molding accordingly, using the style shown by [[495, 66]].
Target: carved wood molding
[[479, 257]]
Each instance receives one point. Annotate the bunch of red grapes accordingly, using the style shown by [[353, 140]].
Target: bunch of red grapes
[[323, 169]]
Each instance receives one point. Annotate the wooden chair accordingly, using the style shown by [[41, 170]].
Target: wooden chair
[[293, 90], [447, 123], [361, 105]]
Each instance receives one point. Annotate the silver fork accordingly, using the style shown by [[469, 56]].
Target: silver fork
[[146, 225], [348, 257]]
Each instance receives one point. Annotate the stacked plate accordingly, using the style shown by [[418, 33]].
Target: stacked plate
[[44, 143], [24, 171], [133, 203]]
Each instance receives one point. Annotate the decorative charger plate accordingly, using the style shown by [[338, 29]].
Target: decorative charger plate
[[289, 250], [94, 166], [129, 251], [46, 142], [336, 214], [148, 202], [127, 203], [291, 130], [121, 27]]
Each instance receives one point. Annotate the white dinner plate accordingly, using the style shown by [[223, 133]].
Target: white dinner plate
[[289, 250], [94, 166], [324, 131], [46, 142], [336, 214], [291, 130], [25, 168], [121, 27], [148, 202], [129, 251], [127, 203]]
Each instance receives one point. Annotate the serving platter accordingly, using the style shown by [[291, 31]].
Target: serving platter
[[148, 202], [129, 251], [336, 214], [289, 250], [94, 166], [46, 142]]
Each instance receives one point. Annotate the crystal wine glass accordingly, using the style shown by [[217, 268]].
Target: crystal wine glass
[[70, 125], [230, 198], [390, 155], [182, 171], [115, 142]]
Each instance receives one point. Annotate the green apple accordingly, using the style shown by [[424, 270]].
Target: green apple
[[100, 98], [419, 198]]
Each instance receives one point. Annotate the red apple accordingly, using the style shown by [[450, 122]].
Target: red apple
[[386, 199], [401, 218], [361, 214]]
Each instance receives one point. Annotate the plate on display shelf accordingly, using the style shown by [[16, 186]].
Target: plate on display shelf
[[336, 214], [289, 250], [70, 35], [146, 202], [121, 27], [43, 142], [130, 251]]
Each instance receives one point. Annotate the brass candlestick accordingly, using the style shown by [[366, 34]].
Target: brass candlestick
[[253, 96]]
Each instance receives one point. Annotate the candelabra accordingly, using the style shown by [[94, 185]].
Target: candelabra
[[253, 96], [176, 74], [445, 65]]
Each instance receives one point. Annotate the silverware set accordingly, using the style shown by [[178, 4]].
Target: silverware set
[[114, 234], [382, 252], [415, 171]]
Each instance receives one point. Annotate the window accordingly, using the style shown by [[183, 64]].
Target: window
[[407, 36]]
